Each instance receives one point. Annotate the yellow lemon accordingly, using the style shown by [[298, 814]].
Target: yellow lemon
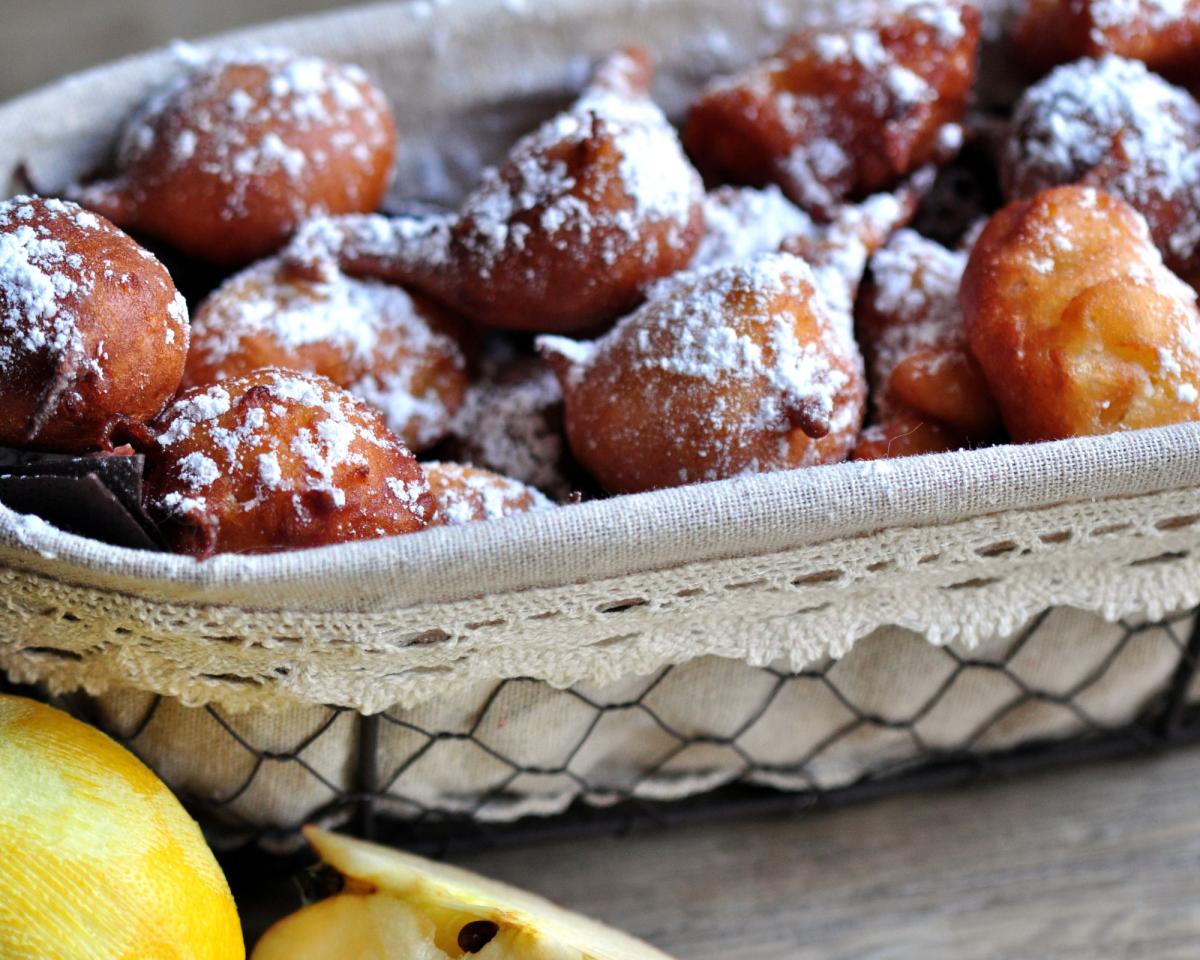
[[399, 907], [98, 861]]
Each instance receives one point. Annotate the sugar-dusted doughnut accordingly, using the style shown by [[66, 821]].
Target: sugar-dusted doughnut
[[240, 146], [466, 494], [1113, 124], [277, 460], [400, 353], [91, 327], [725, 370], [1077, 324], [842, 111], [564, 236], [1163, 35], [912, 334]]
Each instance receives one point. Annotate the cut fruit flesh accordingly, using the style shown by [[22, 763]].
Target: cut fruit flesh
[[397, 906]]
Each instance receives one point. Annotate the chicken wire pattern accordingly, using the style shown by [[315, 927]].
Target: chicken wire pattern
[[388, 784]]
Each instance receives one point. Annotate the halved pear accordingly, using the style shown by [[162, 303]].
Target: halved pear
[[396, 906]]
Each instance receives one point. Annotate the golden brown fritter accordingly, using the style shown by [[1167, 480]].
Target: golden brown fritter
[[228, 158], [400, 353], [1164, 36], [841, 112], [277, 460], [91, 327], [1111, 124], [466, 494], [726, 370], [912, 334], [1078, 326], [565, 236]]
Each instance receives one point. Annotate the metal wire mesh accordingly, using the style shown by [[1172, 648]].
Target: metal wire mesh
[[383, 792]]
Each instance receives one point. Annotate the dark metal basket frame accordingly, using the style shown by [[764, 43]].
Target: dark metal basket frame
[[1170, 720]]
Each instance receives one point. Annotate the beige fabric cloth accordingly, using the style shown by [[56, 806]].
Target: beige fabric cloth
[[722, 579]]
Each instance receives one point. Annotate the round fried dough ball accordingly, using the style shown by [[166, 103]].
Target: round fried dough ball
[[911, 330], [91, 327], [1078, 326], [277, 460], [397, 352], [727, 370], [466, 494], [841, 112], [1164, 36], [565, 236], [1112, 124], [241, 146]]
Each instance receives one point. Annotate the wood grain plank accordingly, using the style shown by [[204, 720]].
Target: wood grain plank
[[1100, 861]]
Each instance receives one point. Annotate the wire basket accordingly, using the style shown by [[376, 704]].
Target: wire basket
[[848, 741], [768, 641]]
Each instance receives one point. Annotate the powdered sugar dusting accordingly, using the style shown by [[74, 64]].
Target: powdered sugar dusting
[[652, 172], [832, 88], [321, 240], [1123, 127], [467, 495], [38, 285], [915, 285], [261, 129], [61, 267], [510, 422], [380, 337], [719, 337], [246, 435], [1117, 17], [742, 223]]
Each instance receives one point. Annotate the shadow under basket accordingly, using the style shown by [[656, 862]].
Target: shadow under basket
[[764, 642]]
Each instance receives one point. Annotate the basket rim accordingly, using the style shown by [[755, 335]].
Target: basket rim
[[745, 516], [752, 515]]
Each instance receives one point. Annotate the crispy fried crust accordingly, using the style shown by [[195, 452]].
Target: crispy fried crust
[[1052, 32], [91, 327], [226, 161], [276, 461], [565, 236], [912, 333], [1112, 124], [728, 370], [398, 352], [467, 494], [1078, 326], [838, 114]]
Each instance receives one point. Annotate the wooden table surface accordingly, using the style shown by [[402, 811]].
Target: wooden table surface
[[1093, 862]]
